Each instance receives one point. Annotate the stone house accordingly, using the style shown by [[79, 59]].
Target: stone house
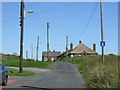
[[50, 55]]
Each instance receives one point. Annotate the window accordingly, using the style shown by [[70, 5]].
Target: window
[[2, 67]]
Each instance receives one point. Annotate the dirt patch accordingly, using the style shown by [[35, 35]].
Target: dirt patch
[[13, 79]]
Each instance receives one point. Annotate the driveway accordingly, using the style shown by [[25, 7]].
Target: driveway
[[60, 75]]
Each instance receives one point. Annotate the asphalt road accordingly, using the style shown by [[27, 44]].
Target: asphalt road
[[61, 75]]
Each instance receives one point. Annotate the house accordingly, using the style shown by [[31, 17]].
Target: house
[[82, 49], [15, 54], [50, 55]]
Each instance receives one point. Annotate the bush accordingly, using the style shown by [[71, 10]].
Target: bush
[[63, 56], [111, 54]]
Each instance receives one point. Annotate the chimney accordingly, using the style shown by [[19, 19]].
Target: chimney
[[94, 47], [71, 47], [80, 42]]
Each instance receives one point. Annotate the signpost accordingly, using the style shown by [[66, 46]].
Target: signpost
[[102, 33], [102, 43]]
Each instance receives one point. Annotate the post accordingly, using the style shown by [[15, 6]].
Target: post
[[37, 49], [67, 45], [21, 36], [31, 52], [47, 41], [102, 34], [26, 55]]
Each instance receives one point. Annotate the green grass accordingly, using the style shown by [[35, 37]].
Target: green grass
[[10, 60], [16, 72], [96, 74], [38, 64]]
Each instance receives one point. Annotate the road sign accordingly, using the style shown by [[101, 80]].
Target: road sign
[[102, 43]]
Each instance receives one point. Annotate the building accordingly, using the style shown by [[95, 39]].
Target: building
[[82, 49], [51, 55], [15, 54]]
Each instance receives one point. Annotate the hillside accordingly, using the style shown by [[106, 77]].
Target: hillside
[[6, 57], [11, 60]]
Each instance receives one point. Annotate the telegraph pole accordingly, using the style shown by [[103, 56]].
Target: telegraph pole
[[67, 45], [21, 36], [47, 41], [26, 55], [31, 52], [37, 49], [102, 34]]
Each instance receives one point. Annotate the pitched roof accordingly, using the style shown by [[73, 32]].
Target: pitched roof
[[15, 54], [81, 48], [55, 54]]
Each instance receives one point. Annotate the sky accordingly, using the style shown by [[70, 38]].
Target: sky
[[65, 18]]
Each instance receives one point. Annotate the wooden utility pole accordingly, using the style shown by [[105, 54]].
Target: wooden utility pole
[[67, 45], [21, 36], [102, 33], [37, 48], [31, 52], [47, 41], [26, 55]]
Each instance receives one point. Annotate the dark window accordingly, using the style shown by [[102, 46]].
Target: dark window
[[88, 54]]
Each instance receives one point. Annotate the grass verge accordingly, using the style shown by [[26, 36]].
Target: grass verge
[[11, 60], [96, 74], [38, 64], [16, 72]]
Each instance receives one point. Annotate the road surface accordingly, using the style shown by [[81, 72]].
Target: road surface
[[60, 75]]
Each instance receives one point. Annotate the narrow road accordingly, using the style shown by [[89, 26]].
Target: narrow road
[[61, 75]]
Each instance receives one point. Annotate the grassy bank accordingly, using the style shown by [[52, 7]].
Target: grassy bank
[[10, 60], [96, 74], [16, 72]]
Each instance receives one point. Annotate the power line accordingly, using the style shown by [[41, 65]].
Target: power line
[[87, 23]]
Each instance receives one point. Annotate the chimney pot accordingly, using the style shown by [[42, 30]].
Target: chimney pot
[[80, 42]]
